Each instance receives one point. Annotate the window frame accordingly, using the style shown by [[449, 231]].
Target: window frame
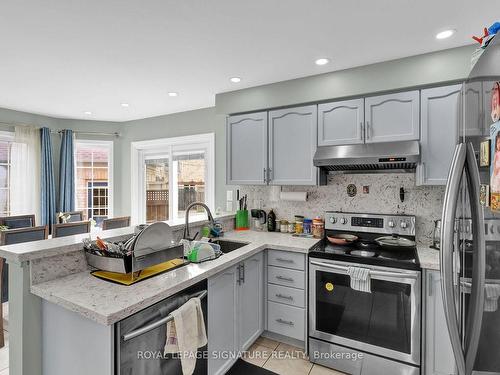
[[140, 150], [100, 143], [9, 137]]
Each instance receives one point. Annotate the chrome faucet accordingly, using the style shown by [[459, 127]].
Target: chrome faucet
[[186, 235]]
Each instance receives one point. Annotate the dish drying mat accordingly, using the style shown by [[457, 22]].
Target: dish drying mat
[[128, 279]]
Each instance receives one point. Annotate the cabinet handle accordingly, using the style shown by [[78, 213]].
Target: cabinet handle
[[361, 130], [430, 287], [284, 260], [287, 322], [265, 175], [279, 295], [243, 273], [284, 278], [368, 132]]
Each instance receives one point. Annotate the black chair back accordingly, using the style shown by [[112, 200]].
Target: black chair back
[[74, 216], [14, 236], [70, 229], [20, 221], [116, 222]]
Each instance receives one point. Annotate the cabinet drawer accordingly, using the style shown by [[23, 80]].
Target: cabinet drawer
[[286, 320], [286, 277], [286, 259], [284, 294]]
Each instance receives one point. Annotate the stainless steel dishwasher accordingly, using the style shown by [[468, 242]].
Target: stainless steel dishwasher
[[140, 338]]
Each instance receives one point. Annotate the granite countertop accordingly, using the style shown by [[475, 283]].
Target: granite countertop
[[57, 246], [429, 257], [107, 303]]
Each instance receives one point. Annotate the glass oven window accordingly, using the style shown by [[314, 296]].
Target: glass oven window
[[381, 318]]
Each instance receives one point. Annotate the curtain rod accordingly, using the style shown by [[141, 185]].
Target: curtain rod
[[53, 131]]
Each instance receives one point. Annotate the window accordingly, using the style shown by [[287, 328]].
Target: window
[[169, 174], [6, 139], [94, 179]]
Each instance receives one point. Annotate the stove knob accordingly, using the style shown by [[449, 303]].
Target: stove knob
[[343, 221], [391, 224], [404, 224], [333, 220]]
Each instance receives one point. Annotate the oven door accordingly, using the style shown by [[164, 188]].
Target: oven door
[[385, 322]]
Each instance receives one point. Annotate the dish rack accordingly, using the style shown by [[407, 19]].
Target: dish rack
[[153, 245]]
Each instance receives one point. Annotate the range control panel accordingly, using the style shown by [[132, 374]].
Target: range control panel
[[370, 223]]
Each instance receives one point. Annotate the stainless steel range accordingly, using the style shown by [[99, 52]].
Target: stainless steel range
[[366, 332]]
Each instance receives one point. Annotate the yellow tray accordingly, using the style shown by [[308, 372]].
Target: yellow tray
[[132, 278]]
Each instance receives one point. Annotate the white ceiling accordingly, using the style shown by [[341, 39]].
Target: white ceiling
[[64, 57]]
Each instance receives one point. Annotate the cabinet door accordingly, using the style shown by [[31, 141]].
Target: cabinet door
[[222, 316], [392, 117], [341, 123], [292, 144], [473, 102], [439, 359], [487, 89], [440, 114], [251, 298], [247, 149]]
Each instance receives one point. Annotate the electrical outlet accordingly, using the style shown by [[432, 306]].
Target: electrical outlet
[[229, 195]]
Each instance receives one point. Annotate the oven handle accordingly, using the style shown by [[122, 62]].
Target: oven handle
[[158, 323], [400, 275]]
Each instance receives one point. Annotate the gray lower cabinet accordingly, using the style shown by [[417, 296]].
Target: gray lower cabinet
[[438, 354], [341, 123], [251, 301], [235, 312], [392, 117], [286, 296], [246, 159], [292, 144], [440, 114]]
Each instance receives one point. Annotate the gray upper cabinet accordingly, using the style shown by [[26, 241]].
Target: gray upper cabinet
[[474, 113], [440, 113], [392, 117], [292, 144], [251, 301], [247, 149], [438, 353], [341, 123], [487, 89], [222, 316]]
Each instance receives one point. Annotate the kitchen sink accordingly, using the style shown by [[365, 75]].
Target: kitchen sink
[[227, 246]]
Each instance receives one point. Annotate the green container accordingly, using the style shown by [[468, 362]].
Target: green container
[[242, 219]]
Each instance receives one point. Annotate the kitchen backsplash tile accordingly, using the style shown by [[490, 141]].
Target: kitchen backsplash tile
[[425, 202]]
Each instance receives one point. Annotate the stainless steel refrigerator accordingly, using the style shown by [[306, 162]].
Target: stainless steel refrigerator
[[470, 229]]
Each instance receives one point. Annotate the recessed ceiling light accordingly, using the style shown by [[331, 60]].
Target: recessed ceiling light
[[235, 79], [173, 94], [124, 105], [322, 61], [87, 112], [445, 34]]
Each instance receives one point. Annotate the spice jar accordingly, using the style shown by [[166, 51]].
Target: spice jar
[[277, 227], [284, 226], [291, 227], [318, 227], [307, 226], [299, 226]]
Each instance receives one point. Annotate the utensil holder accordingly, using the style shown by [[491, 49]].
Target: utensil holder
[[241, 220]]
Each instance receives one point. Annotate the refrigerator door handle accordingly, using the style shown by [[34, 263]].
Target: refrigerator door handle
[[446, 254], [476, 305]]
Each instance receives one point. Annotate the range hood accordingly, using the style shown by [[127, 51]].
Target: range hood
[[370, 157]]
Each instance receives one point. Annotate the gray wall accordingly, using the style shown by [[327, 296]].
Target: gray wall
[[423, 70]]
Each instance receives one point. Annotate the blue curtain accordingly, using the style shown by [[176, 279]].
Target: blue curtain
[[47, 180], [67, 173]]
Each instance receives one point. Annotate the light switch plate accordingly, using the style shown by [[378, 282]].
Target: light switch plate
[[229, 195]]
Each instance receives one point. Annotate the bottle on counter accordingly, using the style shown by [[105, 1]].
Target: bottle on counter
[[318, 227], [271, 221], [307, 226]]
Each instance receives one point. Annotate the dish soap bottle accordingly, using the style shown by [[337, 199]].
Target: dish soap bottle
[[271, 221]]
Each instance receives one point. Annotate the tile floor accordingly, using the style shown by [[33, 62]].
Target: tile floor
[[283, 359], [4, 352]]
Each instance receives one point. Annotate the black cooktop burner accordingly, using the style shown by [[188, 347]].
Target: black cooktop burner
[[367, 251]]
